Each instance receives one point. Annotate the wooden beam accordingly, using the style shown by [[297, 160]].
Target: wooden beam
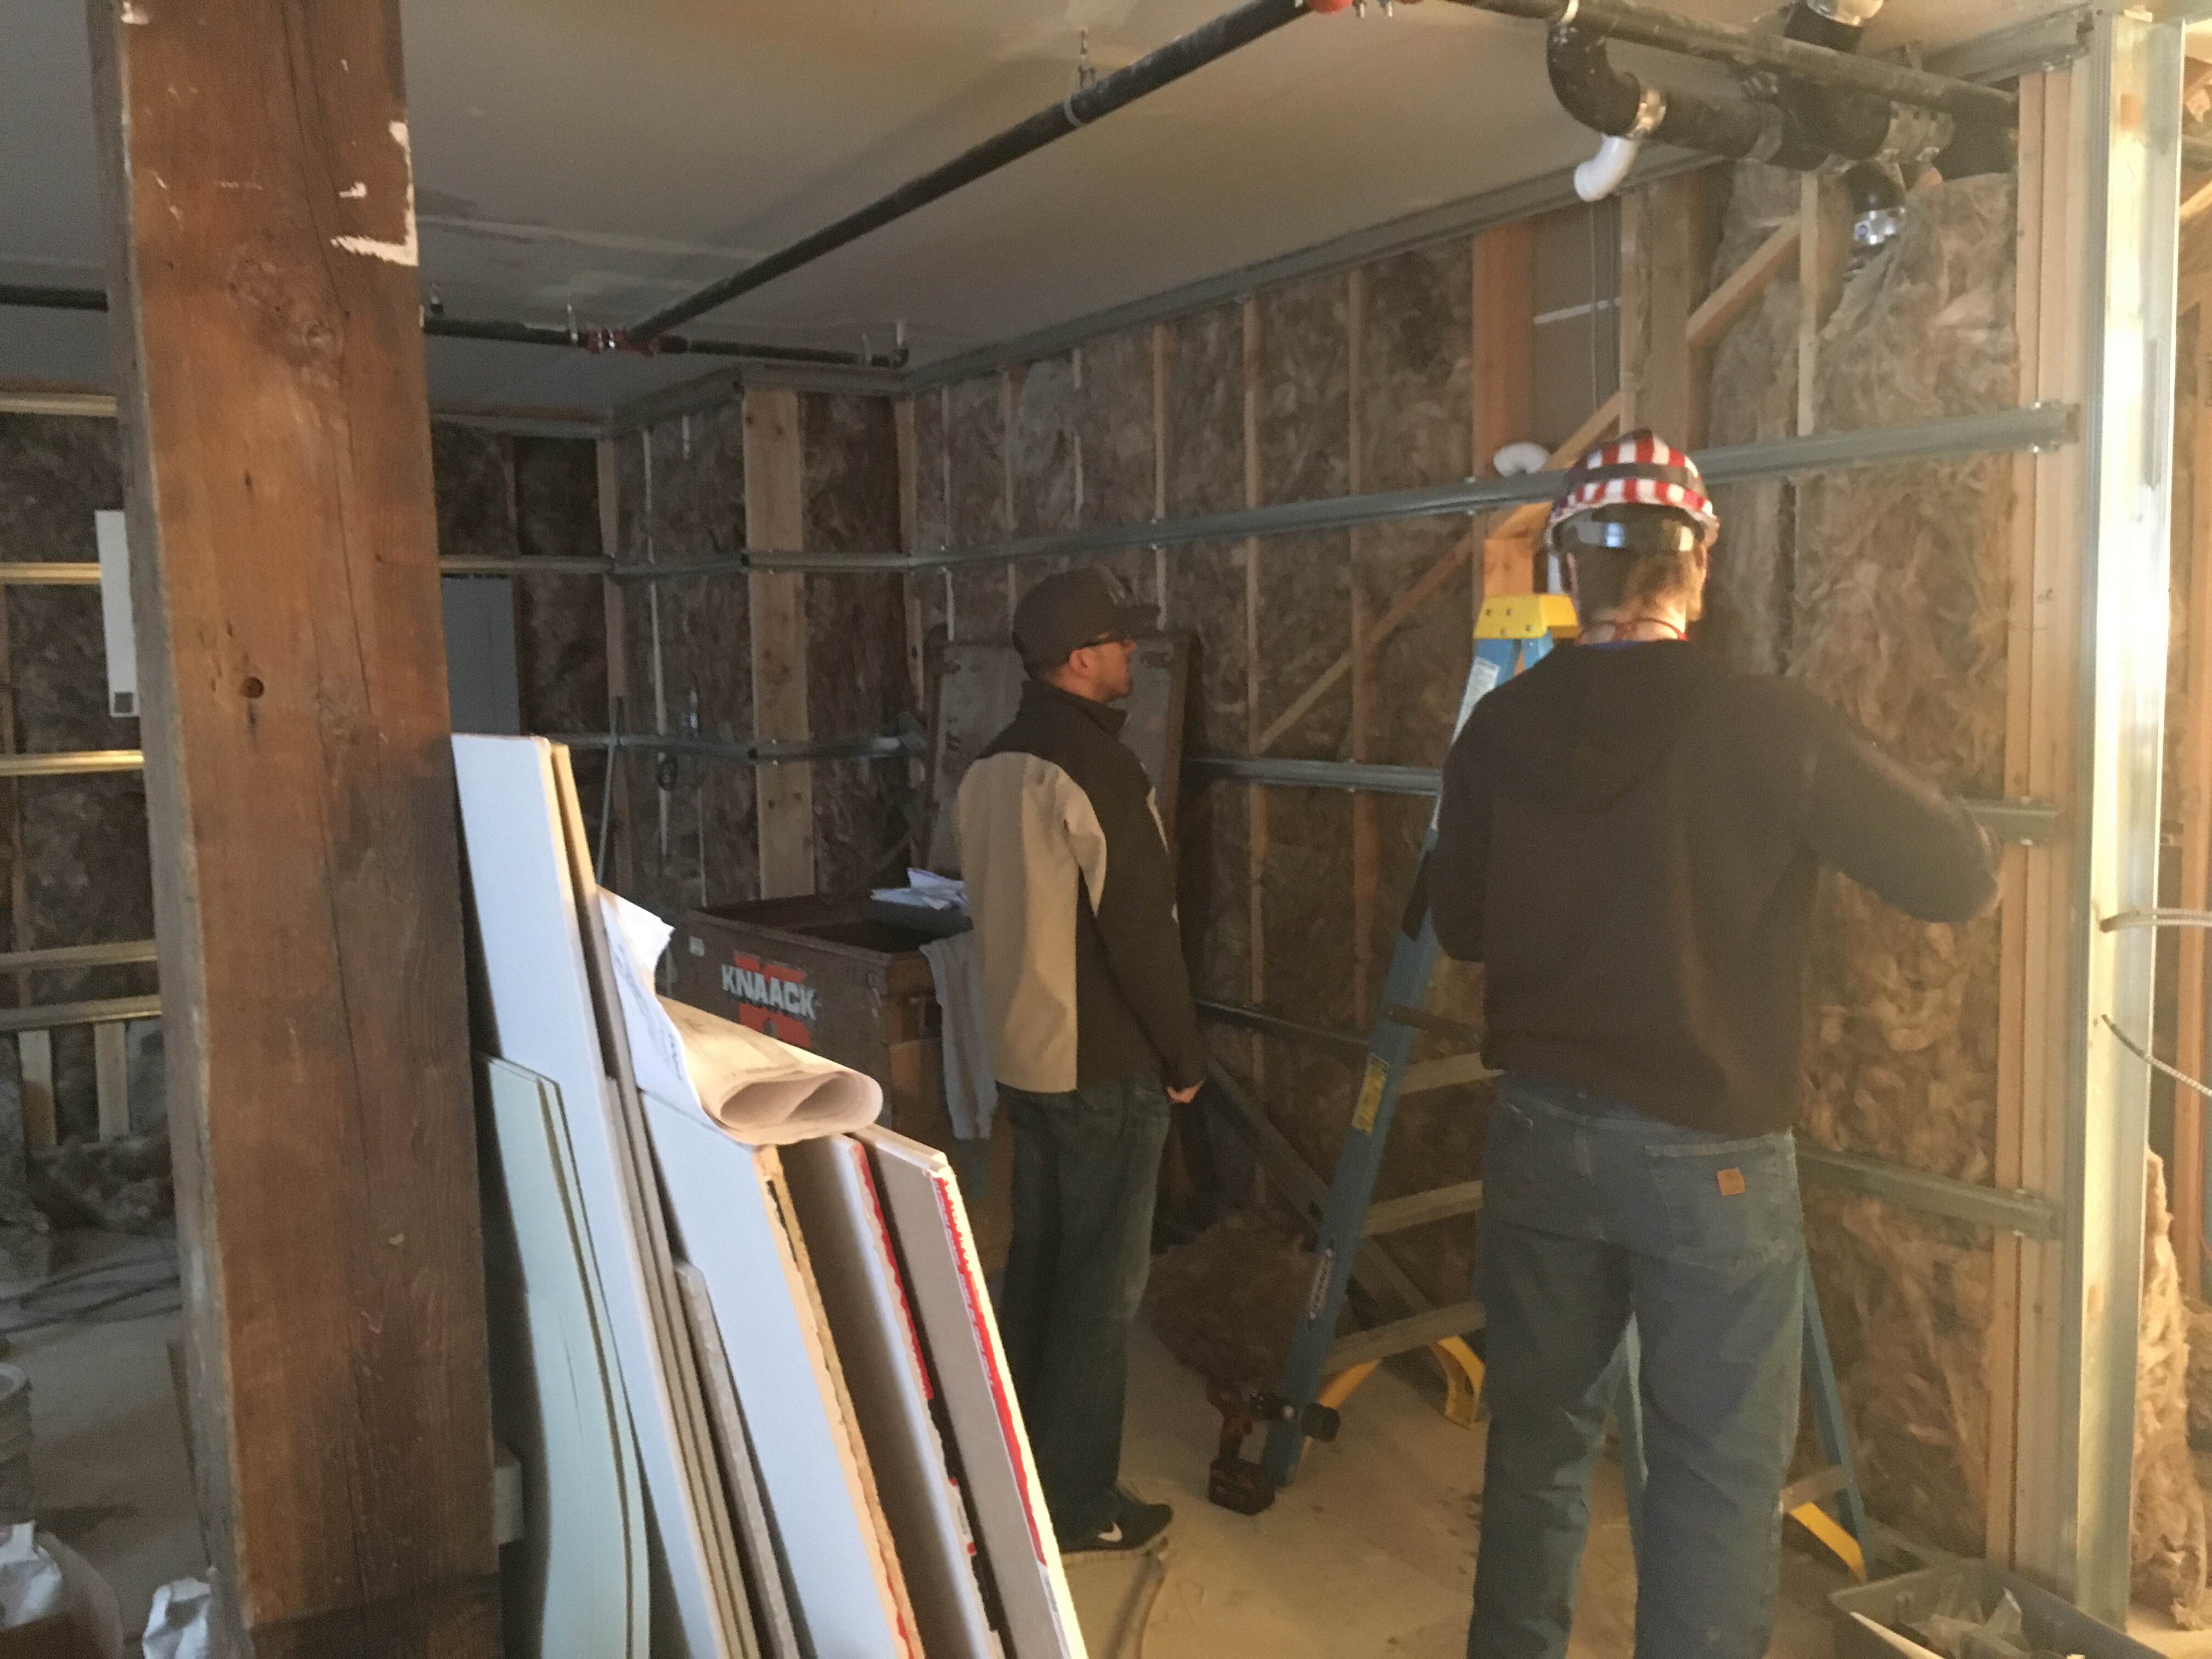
[[775, 516], [111, 1078], [1657, 286], [261, 254], [37, 1050]]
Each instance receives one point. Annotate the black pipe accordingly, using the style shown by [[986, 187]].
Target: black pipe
[[594, 339], [1156, 68], [1613, 101], [1746, 49], [1844, 120], [53, 299]]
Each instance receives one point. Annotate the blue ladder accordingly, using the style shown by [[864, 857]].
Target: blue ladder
[[1513, 632]]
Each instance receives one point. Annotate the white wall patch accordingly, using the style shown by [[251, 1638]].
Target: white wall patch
[[406, 251]]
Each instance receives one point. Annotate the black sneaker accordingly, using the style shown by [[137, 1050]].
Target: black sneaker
[[1137, 1525]]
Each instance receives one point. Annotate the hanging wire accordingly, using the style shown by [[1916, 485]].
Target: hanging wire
[[2162, 916], [2153, 1060]]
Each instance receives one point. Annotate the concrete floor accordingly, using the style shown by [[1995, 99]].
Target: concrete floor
[[107, 1453], [1370, 1554]]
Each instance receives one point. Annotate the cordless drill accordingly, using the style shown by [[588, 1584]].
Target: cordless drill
[[1234, 1481]]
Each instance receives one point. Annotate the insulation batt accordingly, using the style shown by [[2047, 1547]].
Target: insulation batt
[[2200, 1370], [1225, 1303], [1884, 591], [2166, 1536]]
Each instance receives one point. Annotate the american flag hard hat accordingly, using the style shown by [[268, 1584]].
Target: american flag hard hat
[[1639, 469]]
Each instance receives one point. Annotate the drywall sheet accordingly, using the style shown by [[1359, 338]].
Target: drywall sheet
[[575, 1588], [849, 1246], [813, 1467], [961, 1335], [626, 1126], [768, 1575], [979, 687], [537, 1005]]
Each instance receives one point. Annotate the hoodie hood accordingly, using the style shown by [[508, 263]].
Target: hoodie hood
[[1613, 711]]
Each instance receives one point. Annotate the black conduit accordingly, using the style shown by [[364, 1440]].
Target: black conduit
[[1156, 68]]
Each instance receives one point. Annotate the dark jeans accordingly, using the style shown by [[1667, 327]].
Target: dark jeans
[[1593, 1212], [1086, 1166]]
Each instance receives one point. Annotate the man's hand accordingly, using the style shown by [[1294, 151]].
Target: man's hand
[[1184, 1097]]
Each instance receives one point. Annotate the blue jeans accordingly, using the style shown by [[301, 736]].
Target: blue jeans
[[1593, 1212], [1086, 1167]]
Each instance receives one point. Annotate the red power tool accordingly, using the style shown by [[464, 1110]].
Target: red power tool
[[1233, 1481]]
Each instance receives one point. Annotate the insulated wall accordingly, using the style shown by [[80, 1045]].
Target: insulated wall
[[688, 832], [73, 865], [1358, 381], [1884, 591]]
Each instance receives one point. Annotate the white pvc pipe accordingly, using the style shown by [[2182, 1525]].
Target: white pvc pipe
[[1599, 177]]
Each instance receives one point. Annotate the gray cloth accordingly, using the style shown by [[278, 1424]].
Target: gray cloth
[[971, 1093]]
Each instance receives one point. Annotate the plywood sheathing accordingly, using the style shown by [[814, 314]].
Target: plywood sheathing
[[1898, 611], [85, 876], [855, 684], [2168, 1546]]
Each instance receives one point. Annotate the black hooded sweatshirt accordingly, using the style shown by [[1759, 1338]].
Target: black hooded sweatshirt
[[1629, 839]]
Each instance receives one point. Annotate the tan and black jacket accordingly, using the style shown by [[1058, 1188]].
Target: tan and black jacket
[[1073, 896]]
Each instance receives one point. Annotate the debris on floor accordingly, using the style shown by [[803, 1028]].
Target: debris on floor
[[123, 1185], [1225, 1303]]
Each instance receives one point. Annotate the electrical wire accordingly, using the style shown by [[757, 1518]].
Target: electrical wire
[[93, 1301], [2153, 1060]]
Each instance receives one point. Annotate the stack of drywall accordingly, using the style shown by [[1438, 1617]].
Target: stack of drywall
[[760, 1402]]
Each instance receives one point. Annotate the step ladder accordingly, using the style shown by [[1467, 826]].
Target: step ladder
[[1513, 632]]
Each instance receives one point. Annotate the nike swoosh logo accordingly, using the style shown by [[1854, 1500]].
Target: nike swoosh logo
[[1112, 1534]]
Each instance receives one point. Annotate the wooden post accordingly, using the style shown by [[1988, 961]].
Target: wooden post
[[776, 518], [111, 1078], [1657, 286], [260, 234], [2029, 1432]]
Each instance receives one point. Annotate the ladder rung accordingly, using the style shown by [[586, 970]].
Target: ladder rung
[[1403, 1335], [1449, 1072], [1821, 1483], [1396, 1214]]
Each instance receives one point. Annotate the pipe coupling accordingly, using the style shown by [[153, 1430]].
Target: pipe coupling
[[1771, 133], [1651, 111]]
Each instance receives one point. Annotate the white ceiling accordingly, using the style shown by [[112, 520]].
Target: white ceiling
[[611, 156]]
